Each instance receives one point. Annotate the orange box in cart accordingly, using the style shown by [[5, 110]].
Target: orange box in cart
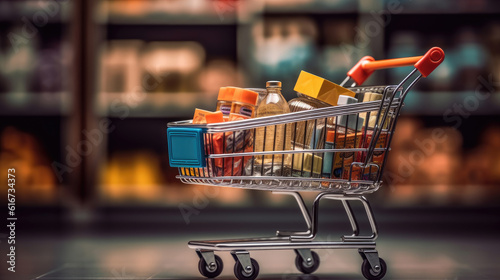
[[342, 161], [378, 156]]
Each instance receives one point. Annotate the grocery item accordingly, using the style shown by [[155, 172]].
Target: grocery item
[[261, 91], [328, 158], [313, 92], [370, 96], [342, 161], [304, 163], [202, 116], [214, 117], [273, 137], [225, 100], [302, 138], [319, 88], [346, 133], [378, 156], [243, 104], [352, 121], [243, 107]]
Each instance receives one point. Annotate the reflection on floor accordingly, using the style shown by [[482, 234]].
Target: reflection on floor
[[131, 258], [416, 244]]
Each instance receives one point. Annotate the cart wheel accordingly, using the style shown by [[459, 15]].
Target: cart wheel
[[210, 273], [240, 273], [368, 272], [302, 266]]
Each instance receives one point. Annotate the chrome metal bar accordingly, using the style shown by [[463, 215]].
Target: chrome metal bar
[[278, 178], [263, 244], [352, 219], [292, 152], [345, 188], [377, 130], [303, 210], [314, 225], [345, 81], [393, 125], [286, 118], [369, 214]]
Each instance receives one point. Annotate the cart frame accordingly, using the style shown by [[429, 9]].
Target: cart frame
[[344, 190]]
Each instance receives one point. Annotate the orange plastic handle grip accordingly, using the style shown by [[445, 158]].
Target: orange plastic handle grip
[[425, 64]]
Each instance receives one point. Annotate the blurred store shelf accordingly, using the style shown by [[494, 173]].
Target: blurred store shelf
[[436, 103], [311, 6], [51, 11], [180, 52], [448, 7], [166, 12], [160, 105], [34, 104]]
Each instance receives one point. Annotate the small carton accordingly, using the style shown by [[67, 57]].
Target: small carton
[[342, 160], [320, 88]]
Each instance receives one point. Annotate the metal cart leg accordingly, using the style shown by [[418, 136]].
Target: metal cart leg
[[302, 242], [352, 218], [313, 225], [305, 214]]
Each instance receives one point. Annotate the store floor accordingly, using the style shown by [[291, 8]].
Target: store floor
[[415, 244]]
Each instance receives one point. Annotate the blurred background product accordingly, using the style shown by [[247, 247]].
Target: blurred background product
[[68, 69], [155, 61]]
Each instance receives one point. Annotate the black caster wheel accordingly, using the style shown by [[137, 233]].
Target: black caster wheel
[[302, 265], [210, 272], [368, 272], [240, 273]]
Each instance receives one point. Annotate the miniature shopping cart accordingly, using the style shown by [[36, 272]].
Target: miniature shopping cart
[[225, 154]]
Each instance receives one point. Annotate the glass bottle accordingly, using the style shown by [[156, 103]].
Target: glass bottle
[[272, 137]]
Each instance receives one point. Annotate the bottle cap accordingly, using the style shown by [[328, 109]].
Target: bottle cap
[[222, 93], [245, 96], [214, 117], [226, 93], [273, 84]]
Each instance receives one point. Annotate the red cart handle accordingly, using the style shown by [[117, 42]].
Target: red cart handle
[[425, 64]]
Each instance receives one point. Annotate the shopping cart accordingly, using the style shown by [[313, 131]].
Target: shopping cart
[[342, 169]]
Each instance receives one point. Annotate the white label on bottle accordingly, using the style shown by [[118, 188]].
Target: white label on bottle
[[225, 109], [246, 111]]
